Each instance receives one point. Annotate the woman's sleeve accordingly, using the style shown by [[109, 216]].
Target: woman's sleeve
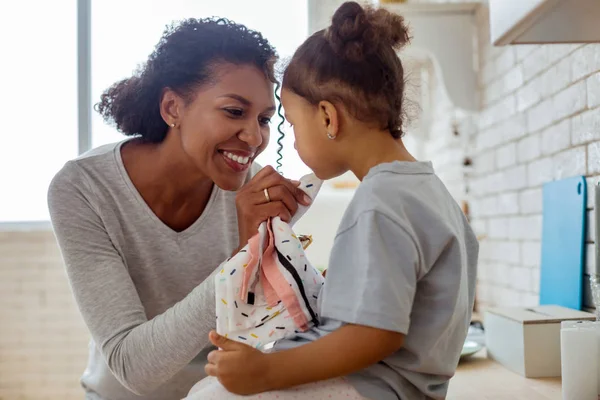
[[141, 353]]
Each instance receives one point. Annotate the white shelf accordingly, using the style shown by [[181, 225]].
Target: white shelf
[[544, 21], [431, 8]]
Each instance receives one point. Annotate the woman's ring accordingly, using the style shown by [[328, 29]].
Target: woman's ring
[[266, 192]]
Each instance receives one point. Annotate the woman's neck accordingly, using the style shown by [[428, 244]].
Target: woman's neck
[[375, 147], [170, 185]]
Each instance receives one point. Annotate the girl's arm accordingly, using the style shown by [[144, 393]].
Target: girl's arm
[[244, 370], [342, 352]]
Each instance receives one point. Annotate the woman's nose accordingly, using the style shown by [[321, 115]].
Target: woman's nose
[[252, 135]]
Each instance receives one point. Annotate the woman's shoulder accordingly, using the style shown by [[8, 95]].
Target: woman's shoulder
[[95, 158], [77, 175]]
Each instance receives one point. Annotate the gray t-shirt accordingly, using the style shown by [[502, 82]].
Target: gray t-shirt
[[404, 259], [141, 287]]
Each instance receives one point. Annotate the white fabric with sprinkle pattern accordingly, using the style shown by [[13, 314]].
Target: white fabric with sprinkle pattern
[[278, 294]]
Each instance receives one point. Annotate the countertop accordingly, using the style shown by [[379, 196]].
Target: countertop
[[479, 378]]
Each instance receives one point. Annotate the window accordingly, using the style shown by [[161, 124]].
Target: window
[[38, 76], [124, 33], [39, 80]]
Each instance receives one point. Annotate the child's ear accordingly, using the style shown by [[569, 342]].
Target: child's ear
[[330, 118]]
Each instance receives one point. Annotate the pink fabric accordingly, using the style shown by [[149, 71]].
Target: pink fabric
[[282, 287], [269, 275], [275, 286]]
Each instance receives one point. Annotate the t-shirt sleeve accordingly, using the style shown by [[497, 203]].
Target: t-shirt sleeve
[[372, 276]]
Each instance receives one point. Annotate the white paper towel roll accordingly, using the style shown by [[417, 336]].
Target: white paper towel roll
[[579, 361], [576, 324], [597, 207]]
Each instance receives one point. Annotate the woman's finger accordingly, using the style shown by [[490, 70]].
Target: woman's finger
[[276, 209], [267, 181], [268, 177], [272, 180], [279, 193], [283, 194], [267, 172]]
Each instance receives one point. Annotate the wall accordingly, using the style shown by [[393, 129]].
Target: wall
[[43, 341], [540, 121]]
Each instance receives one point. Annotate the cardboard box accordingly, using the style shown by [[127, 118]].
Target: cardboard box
[[527, 340]]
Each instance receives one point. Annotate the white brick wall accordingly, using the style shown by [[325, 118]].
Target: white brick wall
[[43, 341], [593, 91], [539, 121], [556, 138], [586, 126], [530, 201]]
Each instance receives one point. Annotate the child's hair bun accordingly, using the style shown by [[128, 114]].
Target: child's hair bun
[[358, 31]]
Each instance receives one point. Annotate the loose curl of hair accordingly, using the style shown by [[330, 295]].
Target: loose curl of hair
[[184, 58], [354, 63]]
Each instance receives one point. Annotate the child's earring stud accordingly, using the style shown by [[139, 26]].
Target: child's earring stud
[[330, 136]]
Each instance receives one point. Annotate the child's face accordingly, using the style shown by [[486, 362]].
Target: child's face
[[310, 132]]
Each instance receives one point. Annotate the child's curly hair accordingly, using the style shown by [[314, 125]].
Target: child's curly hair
[[354, 63]]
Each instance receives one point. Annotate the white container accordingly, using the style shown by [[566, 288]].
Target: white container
[[579, 359], [527, 340]]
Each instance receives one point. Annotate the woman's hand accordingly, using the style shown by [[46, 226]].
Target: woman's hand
[[241, 369], [253, 207]]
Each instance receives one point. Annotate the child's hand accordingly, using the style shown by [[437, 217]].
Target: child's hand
[[241, 369]]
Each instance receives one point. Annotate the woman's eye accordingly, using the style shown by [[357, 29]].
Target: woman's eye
[[265, 121], [236, 112]]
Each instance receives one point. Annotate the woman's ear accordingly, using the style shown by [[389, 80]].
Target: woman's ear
[[170, 107], [330, 118]]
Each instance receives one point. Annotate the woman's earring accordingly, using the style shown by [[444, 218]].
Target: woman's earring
[[172, 125], [330, 136]]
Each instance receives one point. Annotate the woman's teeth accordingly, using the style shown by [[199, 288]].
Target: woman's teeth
[[237, 159]]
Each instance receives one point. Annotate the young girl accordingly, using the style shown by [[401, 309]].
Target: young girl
[[399, 291]]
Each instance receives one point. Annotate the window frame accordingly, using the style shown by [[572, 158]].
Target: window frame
[[84, 106]]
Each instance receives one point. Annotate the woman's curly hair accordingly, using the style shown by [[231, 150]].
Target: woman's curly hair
[[182, 60]]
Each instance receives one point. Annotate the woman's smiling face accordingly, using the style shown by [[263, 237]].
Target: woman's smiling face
[[226, 125]]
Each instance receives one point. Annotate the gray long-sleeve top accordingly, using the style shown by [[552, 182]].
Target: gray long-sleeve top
[[142, 288]]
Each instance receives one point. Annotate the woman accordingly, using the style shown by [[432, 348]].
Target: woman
[[144, 223]]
